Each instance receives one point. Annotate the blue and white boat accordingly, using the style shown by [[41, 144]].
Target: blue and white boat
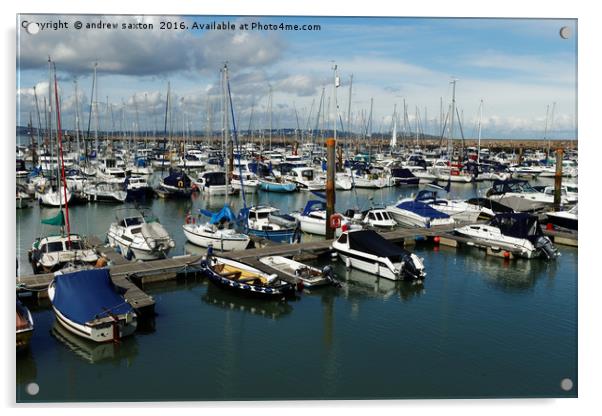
[[218, 232], [176, 184], [266, 222], [418, 214], [88, 303]]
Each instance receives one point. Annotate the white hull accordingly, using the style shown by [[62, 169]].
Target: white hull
[[53, 198], [368, 267], [411, 219], [220, 241], [138, 252]]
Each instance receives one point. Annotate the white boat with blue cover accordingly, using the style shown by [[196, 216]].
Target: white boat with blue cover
[[266, 222], [418, 214], [218, 232], [87, 303]]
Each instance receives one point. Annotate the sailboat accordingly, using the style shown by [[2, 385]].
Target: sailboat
[[53, 252]]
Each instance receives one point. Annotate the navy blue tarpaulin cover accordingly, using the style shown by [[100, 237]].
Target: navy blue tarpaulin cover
[[421, 209], [88, 294]]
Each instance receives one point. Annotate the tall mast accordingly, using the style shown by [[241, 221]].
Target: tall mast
[[348, 117], [229, 151], [270, 109], [77, 121], [479, 141], [165, 126], [62, 161], [95, 107], [39, 123], [451, 127]]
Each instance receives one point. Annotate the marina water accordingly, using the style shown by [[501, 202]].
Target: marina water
[[479, 326]]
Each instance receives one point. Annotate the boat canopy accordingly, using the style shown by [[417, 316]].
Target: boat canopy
[[426, 196], [422, 209], [313, 205], [491, 204], [215, 178], [511, 185], [402, 173], [178, 179], [87, 295], [519, 225], [370, 242], [58, 220], [223, 215]]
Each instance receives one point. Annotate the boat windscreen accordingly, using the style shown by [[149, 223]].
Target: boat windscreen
[[519, 225], [369, 241]]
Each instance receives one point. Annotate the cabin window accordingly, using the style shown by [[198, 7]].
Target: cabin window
[[262, 215], [133, 221], [54, 247], [378, 216], [74, 245], [308, 174], [371, 216], [343, 239]]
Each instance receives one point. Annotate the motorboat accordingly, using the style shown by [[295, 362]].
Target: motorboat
[[309, 276], [137, 188], [519, 233], [363, 177], [23, 200], [245, 279], [457, 209], [191, 161], [520, 196], [312, 219], [444, 170], [213, 183], [373, 217], [24, 327], [306, 179], [418, 214], [249, 182], [105, 192], [87, 303], [403, 177], [266, 222], [564, 219], [52, 253], [136, 238], [368, 251], [51, 196], [218, 232], [176, 184]]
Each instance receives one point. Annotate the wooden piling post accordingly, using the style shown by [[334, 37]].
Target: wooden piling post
[[558, 179]]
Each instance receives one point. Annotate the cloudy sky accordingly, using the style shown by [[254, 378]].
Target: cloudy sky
[[521, 69]]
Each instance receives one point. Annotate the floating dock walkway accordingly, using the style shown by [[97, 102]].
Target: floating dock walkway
[[132, 276]]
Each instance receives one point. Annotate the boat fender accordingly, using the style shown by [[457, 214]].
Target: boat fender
[[335, 221], [348, 263], [203, 264], [130, 254], [297, 235]]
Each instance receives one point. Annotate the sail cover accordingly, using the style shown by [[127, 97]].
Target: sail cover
[[223, 215], [86, 295], [58, 220], [369, 241], [422, 209]]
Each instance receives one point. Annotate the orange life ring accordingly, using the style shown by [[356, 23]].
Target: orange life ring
[[189, 219], [335, 221]]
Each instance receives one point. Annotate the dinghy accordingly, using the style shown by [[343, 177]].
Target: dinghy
[[24, 328], [309, 276]]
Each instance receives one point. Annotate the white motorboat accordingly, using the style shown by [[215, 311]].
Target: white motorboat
[[52, 197], [88, 304], [520, 196], [368, 251], [105, 191], [313, 219], [137, 239], [213, 183], [23, 200], [444, 170], [266, 222], [457, 209], [378, 218], [565, 219], [366, 179], [306, 179], [418, 214], [518, 233], [217, 232], [308, 275]]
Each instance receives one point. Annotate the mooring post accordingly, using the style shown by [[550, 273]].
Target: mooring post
[[558, 178], [330, 194]]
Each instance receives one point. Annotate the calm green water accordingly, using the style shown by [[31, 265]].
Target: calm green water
[[477, 327]]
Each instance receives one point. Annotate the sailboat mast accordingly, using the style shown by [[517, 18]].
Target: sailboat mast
[[39, 124], [62, 160], [451, 127], [165, 127], [479, 140], [348, 118], [229, 151]]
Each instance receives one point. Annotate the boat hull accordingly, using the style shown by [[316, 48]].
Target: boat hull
[[204, 239]]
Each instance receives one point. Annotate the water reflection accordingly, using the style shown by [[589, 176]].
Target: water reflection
[[226, 300], [507, 275], [94, 352]]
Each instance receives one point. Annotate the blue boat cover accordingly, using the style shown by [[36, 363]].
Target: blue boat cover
[[421, 209], [223, 215], [313, 205], [88, 294]]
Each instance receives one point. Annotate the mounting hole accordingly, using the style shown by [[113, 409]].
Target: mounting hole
[[32, 389], [565, 32], [566, 384], [32, 28]]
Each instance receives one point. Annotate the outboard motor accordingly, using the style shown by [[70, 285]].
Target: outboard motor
[[545, 246], [412, 266], [328, 273]]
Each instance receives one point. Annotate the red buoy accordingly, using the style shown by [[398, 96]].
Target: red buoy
[[437, 239], [506, 254], [549, 226]]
